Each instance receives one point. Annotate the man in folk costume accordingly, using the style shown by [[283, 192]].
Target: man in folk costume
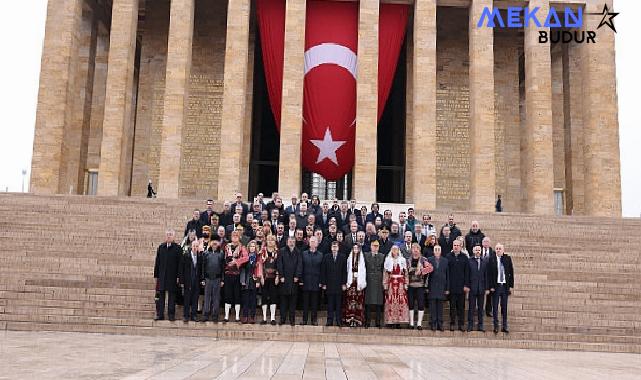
[[235, 258], [437, 288], [333, 279], [418, 270], [395, 284], [353, 302], [269, 279], [290, 270], [249, 282], [374, 294]]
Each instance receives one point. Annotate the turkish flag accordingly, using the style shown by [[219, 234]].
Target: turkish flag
[[329, 104]]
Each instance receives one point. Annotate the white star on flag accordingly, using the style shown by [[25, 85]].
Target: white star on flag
[[327, 147]]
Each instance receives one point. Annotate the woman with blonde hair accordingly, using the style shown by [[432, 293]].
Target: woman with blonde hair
[[269, 278]]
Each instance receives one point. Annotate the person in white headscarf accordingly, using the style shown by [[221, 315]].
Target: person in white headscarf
[[395, 283], [353, 301]]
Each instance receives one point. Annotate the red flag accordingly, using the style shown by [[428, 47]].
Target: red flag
[[331, 64]]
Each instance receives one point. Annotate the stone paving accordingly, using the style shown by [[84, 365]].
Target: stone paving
[[48, 355]]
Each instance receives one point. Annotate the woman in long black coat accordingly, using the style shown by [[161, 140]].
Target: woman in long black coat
[[437, 288]]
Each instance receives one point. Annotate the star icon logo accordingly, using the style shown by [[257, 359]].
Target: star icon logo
[[606, 18], [327, 147]]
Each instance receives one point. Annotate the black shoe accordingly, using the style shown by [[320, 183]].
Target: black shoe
[[481, 329], [432, 327], [225, 320], [214, 319], [488, 314], [263, 322], [339, 324], [292, 323], [185, 320], [505, 330], [451, 327], [440, 328], [282, 322], [205, 318], [159, 318], [273, 322], [496, 330], [378, 325], [329, 323], [469, 328], [460, 328], [314, 323], [194, 319], [419, 328], [171, 319], [304, 323]]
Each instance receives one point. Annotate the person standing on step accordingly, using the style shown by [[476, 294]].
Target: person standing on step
[[235, 258], [168, 256], [250, 273], [486, 252], [269, 279], [213, 264], [353, 302], [474, 237], [290, 270], [476, 287], [190, 273], [374, 293], [333, 279], [418, 270], [438, 283], [395, 285], [458, 268], [501, 281], [312, 259]]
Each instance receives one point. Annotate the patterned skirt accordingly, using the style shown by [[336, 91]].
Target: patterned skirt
[[396, 309], [353, 312]]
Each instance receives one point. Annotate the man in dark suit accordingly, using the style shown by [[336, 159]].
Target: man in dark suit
[[353, 209], [205, 216], [281, 238], [323, 216], [445, 241], [166, 275], [195, 224], [437, 288], [458, 268], [417, 236], [342, 216], [239, 202], [500, 281], [486, 252], [351, 238], [190, 274], [235, 224], [476, 288], [290, 270], [334, 280], [371, 217], [474, 236]]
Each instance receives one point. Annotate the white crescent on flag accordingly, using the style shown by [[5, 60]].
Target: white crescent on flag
[[330, 53]]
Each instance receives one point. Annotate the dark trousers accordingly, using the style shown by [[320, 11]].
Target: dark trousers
[[334, 302], [488, 304], [500, 297], [436, 312], [310, 301], [248, 304], [475, 304], [191, 301], [379, 314], [171, 304], [416, 298], [457, 308], [212, 297], [288, 307]]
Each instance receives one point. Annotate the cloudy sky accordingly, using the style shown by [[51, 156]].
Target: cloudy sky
[[22, 33]]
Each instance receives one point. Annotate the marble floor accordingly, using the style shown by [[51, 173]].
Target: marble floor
[[48, 355]]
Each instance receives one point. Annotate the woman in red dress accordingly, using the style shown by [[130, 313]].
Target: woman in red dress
[[354, 297], [395, 285]]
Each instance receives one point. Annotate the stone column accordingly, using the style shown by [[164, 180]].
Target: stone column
[[600, 122], [483, 166], [291, 120], [421, 180], [118, 98], [55, 94], [234, 98], [538, 118], [364, 179], [181, 31]]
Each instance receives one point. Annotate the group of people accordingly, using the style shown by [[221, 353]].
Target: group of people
[[359, 264]]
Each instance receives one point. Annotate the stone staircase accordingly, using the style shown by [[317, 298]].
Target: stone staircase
[[73, 263]]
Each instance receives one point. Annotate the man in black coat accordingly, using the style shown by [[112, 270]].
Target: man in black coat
[[190, 274], [166, 275], [486, 252], [195, 224], [312, 259], [438, 283], [290, 270], [205, 216], [333, 279], [454, 230], [500, 274], [458, 271], [445, 241], [474, 236], [476, 287]]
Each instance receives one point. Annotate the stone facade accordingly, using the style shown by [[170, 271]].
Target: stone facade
[[139, 91]]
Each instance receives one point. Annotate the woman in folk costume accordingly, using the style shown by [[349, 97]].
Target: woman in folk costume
[[250, 275], [418, 269], [395, 284], [269, 279], [354, 297], [235, 258]]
